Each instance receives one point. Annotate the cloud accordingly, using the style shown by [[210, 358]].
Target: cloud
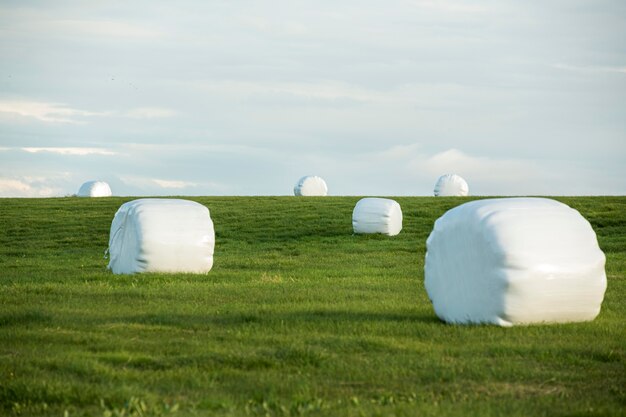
[[51, 23], [103, 28], [480, 167], [449, 6], [173, 183], [46, 112], [416, 169], [10, 186], [194, 148], [152, 183], [491, 175], [401, 152], [29, 187], [61, 113], [144, 185], [150, 113], [322, 90], [416, 161], [280, 28], [77, 151], [592, 68]]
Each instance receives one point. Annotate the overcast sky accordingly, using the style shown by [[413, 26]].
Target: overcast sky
[[378, 98]]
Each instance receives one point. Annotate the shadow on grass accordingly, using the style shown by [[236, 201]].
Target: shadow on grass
[[23, 318], [198, 321]]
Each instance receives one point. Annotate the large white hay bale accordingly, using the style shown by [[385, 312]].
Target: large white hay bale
[[514, 261], [94, 189], [161, 235], [377, 215], [451, 185], [310, 186]]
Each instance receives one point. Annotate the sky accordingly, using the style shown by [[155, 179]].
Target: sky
[[244, 97]]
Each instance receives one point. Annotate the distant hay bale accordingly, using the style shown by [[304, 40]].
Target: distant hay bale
[[310, 186], [94, 189], [513, 261], [377, 215], [451, 185], [161, 235]]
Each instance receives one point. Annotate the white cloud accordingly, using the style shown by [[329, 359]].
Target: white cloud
[[480, 167], [486, 175], [197, 148], [322, 90], [9, 186], [49, 23], [150, 113], [46, 112], [151, 183], [450, 6], [592, 68], [415, 171], [173, 183], [61, 113], [103, 28], [76, 151], [401, 152], [28, 187], [142, 185], [416, 161], [280, 28]]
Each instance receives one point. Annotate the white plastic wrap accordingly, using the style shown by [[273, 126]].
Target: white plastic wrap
[[451, 185], [94, 189], [161, 235], [514, 261], [377, 215], [310, 186]]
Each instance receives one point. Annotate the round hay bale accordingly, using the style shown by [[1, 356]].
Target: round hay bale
[[161, 235], [310, 186], [94, 189], [511, 261], [451, 185], [377, 215]]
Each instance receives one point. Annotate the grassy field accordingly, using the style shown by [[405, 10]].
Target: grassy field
[[297, 317]]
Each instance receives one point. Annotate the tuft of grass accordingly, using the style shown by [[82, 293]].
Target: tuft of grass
[[299, 317]]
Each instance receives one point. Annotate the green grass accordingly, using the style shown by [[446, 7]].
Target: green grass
[[297, 317]]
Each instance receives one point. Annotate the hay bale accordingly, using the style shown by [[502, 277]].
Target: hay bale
[[94, 189], [310, 186], [377, 215], [451, 185], [161, 235], [514, 261]]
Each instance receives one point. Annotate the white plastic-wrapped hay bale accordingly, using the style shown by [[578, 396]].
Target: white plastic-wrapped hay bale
[[161, 235], [451, 185], [94, 189], [514, 261], [377, 215], [310, 186]]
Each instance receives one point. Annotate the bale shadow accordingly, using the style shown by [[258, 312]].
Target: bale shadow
[[198, 321]]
